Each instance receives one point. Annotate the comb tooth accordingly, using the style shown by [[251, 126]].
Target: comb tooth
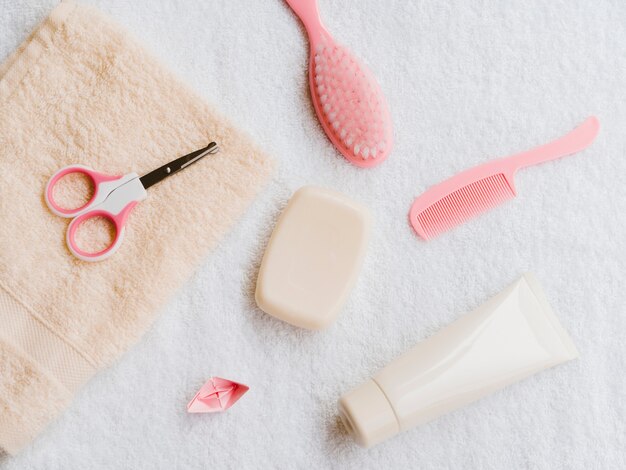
[[463, 204], [469, 194], [430, 218], [439, 217], [456, 203], [427, 221], [425, 232], [473, 193], [441, 220], [483, 191], [423, 222], [434, 215]]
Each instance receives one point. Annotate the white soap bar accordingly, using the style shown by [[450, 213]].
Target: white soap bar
[[313, 257]]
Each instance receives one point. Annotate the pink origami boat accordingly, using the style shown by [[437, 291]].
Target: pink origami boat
[[216, 395]]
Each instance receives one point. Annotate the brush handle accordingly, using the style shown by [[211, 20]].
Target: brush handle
[[309, 14], [575, 141]]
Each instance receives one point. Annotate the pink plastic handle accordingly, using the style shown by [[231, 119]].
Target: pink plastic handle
[[309, 14], [119, 222], [96, 178], [575, 141]]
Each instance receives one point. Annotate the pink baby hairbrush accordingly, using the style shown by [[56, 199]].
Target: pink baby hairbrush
[[347, 99], [478, 189]]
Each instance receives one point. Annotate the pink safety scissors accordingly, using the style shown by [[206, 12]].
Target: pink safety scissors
[[114, 198]]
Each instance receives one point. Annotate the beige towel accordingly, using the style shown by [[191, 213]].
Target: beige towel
[[81, 91]]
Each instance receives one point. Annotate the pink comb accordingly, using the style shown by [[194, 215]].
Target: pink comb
[[347, 99], [478, 189]]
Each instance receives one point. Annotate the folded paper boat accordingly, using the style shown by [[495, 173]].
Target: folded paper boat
[[216, 395]]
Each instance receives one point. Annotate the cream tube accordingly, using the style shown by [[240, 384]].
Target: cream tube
[[512, 336]]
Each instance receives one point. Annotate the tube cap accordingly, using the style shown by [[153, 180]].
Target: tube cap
[[367, 414]]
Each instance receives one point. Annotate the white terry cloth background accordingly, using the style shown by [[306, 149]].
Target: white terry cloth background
[[466, 81]]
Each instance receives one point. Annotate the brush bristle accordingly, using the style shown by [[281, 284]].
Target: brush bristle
[[352, 102], [463, 204]]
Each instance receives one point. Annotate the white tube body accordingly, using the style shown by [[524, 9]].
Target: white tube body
[[512, 336]]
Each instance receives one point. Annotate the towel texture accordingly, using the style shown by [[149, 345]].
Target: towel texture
[[466, 81], [79, 90]]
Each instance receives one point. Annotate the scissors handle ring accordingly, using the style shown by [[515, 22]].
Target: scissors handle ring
[[97, 178], [119, 222]]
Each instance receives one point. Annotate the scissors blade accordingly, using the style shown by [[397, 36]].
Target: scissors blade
[[175, 166]]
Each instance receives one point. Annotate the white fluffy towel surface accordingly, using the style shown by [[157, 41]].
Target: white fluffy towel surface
[[466, 81]]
